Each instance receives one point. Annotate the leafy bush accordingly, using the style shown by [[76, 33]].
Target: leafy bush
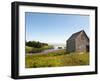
[[35, 44]]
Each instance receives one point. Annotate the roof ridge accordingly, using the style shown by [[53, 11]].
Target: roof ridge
[[78, 32], [74, 35]]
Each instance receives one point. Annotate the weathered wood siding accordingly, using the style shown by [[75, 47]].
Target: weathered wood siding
[[70, 45], [81, 43]]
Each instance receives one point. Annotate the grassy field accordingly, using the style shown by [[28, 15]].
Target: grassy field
[[55, 59], [36, 50]]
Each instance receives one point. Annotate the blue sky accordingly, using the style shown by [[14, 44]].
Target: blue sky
[[54, 28]]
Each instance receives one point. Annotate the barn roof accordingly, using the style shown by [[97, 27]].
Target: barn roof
[[73, 36]]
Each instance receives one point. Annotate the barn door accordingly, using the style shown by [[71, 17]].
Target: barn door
[[87, 48]]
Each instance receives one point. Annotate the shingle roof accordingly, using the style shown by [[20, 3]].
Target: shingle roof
[[73, 36]]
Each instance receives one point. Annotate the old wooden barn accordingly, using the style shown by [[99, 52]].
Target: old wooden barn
[[78, 42]]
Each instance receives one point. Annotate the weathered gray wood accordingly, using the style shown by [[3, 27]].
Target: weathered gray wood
[[78, 42]]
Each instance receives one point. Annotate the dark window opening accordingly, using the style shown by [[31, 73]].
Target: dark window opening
[[87, 48]]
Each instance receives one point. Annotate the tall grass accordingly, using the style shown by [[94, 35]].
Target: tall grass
[[55, 59]]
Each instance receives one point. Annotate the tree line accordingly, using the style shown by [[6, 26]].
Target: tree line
[[36, 44]]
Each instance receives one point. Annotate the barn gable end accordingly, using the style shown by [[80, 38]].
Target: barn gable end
[[78, 42]]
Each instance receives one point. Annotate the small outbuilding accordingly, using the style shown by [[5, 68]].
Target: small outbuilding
[[78, 42]]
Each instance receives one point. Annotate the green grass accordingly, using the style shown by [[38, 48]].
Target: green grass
[[55, 59], [37, 50], [28, 49]]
